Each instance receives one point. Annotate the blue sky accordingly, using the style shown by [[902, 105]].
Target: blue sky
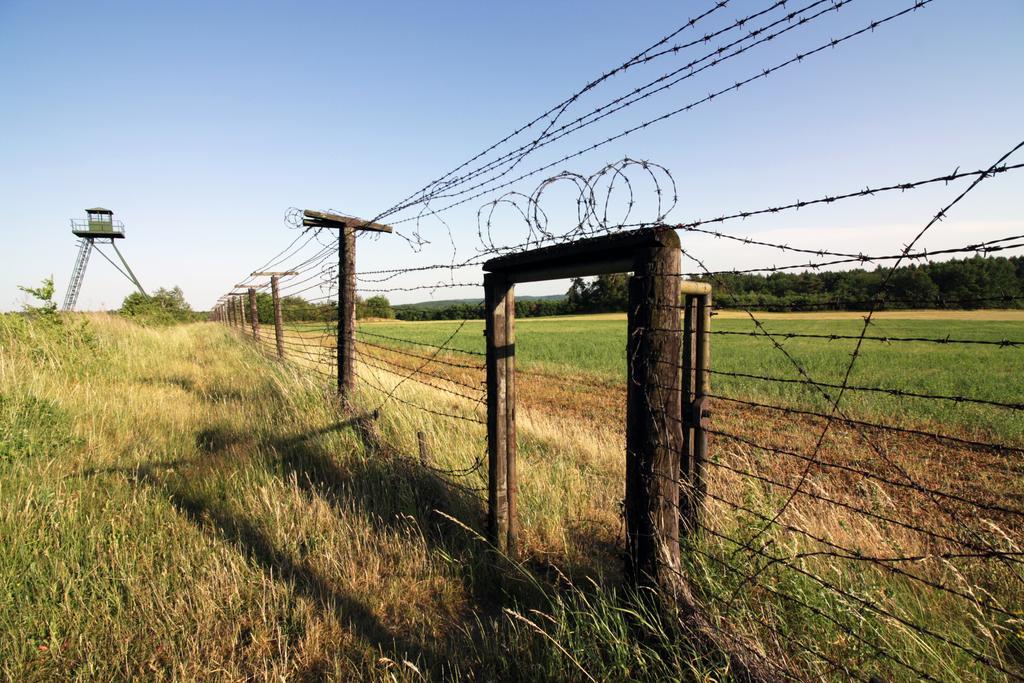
[[201, 123]]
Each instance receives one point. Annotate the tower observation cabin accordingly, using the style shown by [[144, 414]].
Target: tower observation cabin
[[99, 222], [98, 227]]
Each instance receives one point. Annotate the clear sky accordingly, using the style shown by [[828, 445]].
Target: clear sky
[[201, 123]]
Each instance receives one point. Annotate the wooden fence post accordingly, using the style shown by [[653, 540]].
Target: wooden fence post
[[346, 312], [346, 342], [701, 409], [686, 498], [421, 438], [254, 314], [696, 381], [241, 311], [499, 297], [654, 434], [278, 327]]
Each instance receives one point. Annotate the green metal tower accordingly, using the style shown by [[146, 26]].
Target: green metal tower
[[98, 226]]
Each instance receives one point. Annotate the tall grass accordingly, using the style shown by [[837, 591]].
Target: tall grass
[[173, 505]]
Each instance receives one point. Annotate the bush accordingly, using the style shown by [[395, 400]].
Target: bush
[[164, 307]]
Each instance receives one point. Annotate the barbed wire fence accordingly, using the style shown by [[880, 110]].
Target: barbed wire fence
[[815, 535]]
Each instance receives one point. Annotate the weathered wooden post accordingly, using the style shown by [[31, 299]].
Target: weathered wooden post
[[254, 314], [421, 439], [276, 296], [686, 396], [241, 311], [654, 434], [500, 312], [346, 342], [696, 382], [278, 325], [654, 428], [701, 411]]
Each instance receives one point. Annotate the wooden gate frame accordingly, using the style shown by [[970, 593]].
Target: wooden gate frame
[[658, 438]]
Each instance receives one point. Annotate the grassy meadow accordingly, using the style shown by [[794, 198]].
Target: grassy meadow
[[178, 505], [595, 345]]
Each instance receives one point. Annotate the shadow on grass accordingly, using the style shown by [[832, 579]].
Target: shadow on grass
[[214, 393], [251, 542], [393, 492], [390, 491]]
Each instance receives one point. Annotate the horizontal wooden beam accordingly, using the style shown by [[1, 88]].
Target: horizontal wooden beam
[[324, 219], [273, 273], [567, 270], [616, 253], [697, 288]]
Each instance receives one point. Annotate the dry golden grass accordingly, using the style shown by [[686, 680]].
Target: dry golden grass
[[211, 514]]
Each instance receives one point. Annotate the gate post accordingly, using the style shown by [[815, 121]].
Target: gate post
[[499, 302], [700, 411], [254, 314], [696, 386], [654, 434]]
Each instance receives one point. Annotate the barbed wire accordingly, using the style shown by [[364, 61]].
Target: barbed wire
[[716, 57], [953, 533], [737, 85]]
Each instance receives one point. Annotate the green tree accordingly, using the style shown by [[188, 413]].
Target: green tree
[[604, 293], [374, 307], [163, 307]]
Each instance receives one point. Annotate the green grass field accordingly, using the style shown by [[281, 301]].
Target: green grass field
[[596, 345]]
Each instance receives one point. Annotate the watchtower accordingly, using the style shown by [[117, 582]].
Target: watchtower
[[98, 226]]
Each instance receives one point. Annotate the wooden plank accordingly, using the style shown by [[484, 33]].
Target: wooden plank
[[593, 256], [324, 219], [274, 273], [572, 268], [694, 288]]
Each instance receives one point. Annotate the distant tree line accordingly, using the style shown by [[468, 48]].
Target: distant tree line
[[295, 308], [529, 308], [977, 282]]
